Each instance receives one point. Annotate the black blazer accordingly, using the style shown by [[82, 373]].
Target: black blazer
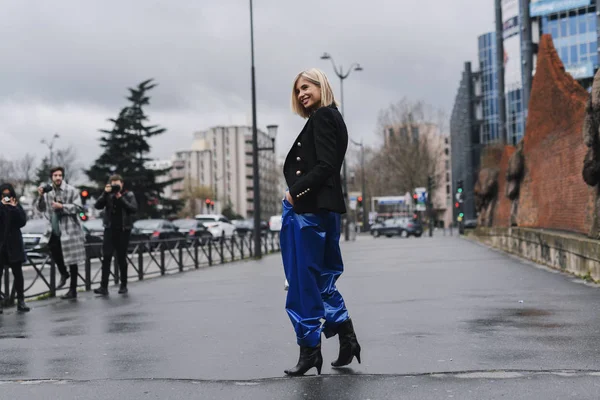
[[312, 167], [12, 219]]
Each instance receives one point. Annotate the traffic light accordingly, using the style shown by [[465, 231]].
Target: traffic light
[[360, 201], [85, 195], [82, 216], [212, 205]]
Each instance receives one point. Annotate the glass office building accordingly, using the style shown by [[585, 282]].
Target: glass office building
[[574, 30], [490, 131]]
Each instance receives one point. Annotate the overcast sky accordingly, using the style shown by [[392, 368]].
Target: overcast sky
[[66, 64]]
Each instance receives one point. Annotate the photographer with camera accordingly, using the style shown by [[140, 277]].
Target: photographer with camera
[[61, 204], [12, 251], [119, 207]]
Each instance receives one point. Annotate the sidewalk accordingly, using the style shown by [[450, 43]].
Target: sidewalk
[[421, 307]]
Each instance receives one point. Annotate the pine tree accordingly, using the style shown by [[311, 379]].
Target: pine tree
[[42, 173], [126, 151]]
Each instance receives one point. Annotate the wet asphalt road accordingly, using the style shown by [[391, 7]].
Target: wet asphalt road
[[437, 318]]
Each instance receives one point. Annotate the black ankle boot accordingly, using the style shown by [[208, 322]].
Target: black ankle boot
[[63, 281], [309, 357], [71, 294], [21, 306], [349, 347]]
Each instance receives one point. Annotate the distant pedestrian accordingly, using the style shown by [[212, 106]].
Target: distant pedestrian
[[12, 251], [119, 207], [61, 204], [310, 231]]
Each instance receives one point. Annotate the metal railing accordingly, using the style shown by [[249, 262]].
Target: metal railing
[[146, 259]]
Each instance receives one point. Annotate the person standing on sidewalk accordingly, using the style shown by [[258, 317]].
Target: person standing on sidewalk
[[310, 231], [119, 207], [12, 250], [62, 205]]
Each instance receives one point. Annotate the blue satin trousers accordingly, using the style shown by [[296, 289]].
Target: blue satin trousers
[[312, 261]]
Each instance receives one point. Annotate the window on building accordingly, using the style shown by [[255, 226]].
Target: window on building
[[563, 27], [404, 132], [574, 58], [447, 189], [415, 133]]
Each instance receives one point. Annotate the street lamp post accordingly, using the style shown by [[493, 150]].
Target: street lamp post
[[255, 150], [365, 219], [339, 71], [50, 144]]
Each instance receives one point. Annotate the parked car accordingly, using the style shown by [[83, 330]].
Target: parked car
[[96, 228], [36, 235], [404, 227], [470, 223], [195, 229], [218, 226], [245, 226], [275, 223], [156, 230]]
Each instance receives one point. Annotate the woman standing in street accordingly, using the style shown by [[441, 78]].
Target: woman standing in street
[[12, 251], [310, 232]]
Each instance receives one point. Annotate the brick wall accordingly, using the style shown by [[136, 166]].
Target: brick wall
[[503, 206], [553, 193]]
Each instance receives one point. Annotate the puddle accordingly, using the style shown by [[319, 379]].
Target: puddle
[[71, 330], [521, 318], [126, 327]]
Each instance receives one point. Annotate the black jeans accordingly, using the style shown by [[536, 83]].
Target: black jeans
[[57, 256], [17, 270], [115, 240]]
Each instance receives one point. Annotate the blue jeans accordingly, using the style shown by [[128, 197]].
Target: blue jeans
[[312, 261]]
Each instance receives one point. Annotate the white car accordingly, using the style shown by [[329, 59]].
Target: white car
[[275, 223], [217, 225]]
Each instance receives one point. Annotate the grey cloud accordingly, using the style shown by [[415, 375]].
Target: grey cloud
[[70, 62]]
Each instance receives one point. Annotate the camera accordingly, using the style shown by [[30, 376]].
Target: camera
[[6, 199], [47, 188], [115, 188]]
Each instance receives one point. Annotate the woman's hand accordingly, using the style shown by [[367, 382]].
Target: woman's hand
[[289, 198], [12, 202]]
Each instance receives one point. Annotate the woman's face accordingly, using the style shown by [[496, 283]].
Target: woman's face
[[6, 193], [309, 94]]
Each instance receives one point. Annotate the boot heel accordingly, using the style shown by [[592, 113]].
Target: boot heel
[[358, 356], [319, 366]]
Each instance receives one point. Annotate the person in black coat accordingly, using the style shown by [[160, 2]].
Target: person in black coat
[[12, 249], [311, 223], [119, 207]]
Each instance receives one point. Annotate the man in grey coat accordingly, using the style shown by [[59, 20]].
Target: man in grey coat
[[61, 206]]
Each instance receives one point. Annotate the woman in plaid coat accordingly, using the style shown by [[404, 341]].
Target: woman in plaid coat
[[61, 206]]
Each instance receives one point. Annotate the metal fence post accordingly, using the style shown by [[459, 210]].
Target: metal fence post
[[242, 247], [115, 265], [88, 274], [210, 244], [222, 242], [140, 264], [196, 263], [52, 278], [162, 259], [180, 255]]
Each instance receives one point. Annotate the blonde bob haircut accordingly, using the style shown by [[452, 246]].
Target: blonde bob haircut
[[317, 77]]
